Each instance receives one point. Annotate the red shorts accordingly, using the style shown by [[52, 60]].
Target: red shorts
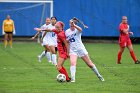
[[63, 54], [123, 42]]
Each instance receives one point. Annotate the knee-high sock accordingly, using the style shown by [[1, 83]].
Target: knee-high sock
[[54, 59], [5, 43], [42, 54], [96, 71], [11, 43], [48, 54], [119, 56], [73, 72], [133, 56], [63, 71]]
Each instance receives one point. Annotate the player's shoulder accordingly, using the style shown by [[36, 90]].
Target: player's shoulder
[[67, 30], [11, 20]]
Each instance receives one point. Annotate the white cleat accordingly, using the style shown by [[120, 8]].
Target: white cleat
[[50, 61], [72, 81], [39, 58], [101, 78]]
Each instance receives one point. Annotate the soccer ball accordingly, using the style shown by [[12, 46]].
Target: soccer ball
[[61, 78]]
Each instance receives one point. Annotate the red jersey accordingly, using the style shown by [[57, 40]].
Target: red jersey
[[121, 28], [60, 44], [124, 39]]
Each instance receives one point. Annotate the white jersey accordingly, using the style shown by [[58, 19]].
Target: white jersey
[[76, 45], [52, 37], [44, 27]]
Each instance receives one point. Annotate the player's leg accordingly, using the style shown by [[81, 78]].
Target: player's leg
[[61, 68], [73, 61], [48, 53], [120, 54], [54, 56], [88, 61], [10, 39], [130, 47], [5, 40]]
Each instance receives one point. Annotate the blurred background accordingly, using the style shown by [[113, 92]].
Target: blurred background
[[101, 16]]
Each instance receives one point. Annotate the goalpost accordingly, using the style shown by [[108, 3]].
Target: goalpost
[[44, 4]]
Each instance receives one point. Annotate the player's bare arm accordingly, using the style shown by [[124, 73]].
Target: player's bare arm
[[44, 35], [35, 35], [39, 30]]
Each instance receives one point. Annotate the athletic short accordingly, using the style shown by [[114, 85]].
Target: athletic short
[[52, 42], [9, 32], [124, 42], [63, 54], [79, 53], [45, 42]]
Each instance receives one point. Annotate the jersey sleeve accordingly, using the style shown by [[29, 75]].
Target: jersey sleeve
[[121, 27], [54, 30]]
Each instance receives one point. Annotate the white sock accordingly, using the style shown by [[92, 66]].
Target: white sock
[[96, 71], [54, 59], [42, 54], [73, 72], [48, 55]]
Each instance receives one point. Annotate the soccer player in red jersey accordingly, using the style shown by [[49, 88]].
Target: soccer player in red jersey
[[124, 41], [63, 47]]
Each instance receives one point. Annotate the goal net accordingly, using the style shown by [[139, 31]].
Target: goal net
[[26, 14]]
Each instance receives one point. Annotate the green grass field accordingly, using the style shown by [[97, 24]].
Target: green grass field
[[20, 71]]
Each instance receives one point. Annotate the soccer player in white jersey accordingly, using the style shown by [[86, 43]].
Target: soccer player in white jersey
[[44, 41], [52, 40], [77, 49]]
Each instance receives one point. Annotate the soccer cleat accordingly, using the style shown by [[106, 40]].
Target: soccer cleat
[[137, 62], [69, 80], [101, 78], [72, 81], [119, 63], [39, 58], [50, 61]]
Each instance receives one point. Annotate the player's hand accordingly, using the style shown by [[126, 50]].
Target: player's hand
[[72, 23], [3, 33], [41, 40], [37, 29], [85, 26], [14, 32], [68, 55], [131, 33], [33, 38]]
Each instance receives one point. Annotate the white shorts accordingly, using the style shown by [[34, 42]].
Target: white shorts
[[52, 42], [79, 53], [45, 42]]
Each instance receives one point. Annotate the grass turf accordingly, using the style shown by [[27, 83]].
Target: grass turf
[[20, 71]]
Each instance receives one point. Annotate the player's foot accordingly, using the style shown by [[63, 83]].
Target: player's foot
[[137, 62], [39, 58], [50, 61], [101, 78], [72, 80], [119, 63], [69, 80]]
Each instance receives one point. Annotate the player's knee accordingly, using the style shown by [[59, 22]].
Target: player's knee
[[58, 67], [73, 63]]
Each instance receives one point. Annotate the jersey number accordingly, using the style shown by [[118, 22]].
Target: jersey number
[[72, 40], [53, 34]]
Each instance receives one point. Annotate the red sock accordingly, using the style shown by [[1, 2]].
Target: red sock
[[119, 56], [63, 71], [133, 56]]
